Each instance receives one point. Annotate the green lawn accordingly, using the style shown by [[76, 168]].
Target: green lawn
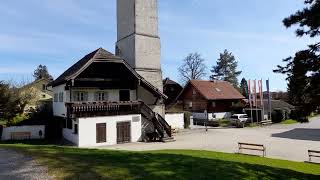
[[289, 121], [74, 163]]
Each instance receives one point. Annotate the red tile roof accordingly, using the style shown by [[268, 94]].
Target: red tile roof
[[216, 90]]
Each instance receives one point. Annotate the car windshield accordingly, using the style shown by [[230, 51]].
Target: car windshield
[[234, 117], [244, 116]]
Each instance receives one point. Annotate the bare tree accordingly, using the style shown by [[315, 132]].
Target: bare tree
[[192, 68]]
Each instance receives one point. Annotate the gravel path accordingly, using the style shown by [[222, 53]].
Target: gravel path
[[290, 142], [16, 166]]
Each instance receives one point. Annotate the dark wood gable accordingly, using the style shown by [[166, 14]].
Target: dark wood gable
[[110, 75]]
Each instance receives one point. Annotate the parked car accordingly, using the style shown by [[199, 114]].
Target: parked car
[[239, 120]]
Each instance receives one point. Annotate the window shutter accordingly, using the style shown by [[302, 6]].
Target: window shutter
[[74, 96], [96, 96], [85, 96], [106, 96]]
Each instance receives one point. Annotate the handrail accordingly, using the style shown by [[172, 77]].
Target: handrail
[[165, 124]]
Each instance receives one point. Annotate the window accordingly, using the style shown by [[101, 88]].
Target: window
[[61, 97], [124, 95], [194, 92], [101, 96], [190, 104], [213, 104], [56, 96], [101, 133], [44, 87], [80, 96]]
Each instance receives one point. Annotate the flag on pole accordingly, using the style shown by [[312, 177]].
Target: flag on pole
[[261, 98], [254, 93], [249, 91], [269, 97]]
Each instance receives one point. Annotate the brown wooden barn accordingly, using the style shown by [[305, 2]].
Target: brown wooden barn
[[213, 96]]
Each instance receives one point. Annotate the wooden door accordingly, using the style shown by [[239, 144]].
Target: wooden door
[[101, 133], [124, 95], [123, 132]]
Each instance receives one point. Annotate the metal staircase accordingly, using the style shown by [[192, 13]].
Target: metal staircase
[[162, 128]]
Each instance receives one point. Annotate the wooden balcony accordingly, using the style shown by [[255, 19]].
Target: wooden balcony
[[95, 109]]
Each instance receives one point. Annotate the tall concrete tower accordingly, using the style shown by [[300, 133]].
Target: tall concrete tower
[[138, 40]]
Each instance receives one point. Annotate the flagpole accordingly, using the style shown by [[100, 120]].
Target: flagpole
[[255, 99], [269, 98], [250, 100], [262, 99]]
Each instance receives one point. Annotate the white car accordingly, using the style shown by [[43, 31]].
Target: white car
[[239, 119]]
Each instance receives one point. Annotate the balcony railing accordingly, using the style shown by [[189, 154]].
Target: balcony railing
[[94, 109]]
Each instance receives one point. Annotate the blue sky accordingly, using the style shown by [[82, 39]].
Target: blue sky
[[58, 33]]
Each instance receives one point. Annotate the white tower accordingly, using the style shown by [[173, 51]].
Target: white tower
[[138, 40]]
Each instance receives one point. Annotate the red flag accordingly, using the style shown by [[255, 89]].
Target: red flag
[[255, 93], [261, 92], [249, 91]]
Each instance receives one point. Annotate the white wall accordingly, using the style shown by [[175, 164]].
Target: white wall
[[70, 136], [34, 130], [176, 121], [87, 129], [59, 108]]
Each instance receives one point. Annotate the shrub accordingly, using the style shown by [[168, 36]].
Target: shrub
[[17, 119], [186, 119], [277, 116]]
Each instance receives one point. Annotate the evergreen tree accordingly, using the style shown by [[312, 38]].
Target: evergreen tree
[[10, 102], [226, 69], [303, 70], [192, 68], [244, 88], [42, 73]]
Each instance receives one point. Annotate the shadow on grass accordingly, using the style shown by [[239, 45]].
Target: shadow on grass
[[73, 163]]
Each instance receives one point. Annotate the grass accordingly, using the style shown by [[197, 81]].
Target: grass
[[224, 122], [289, 121], [74, 163]]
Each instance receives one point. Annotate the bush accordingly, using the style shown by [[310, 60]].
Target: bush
[[17, 119], [277, 116], [186, 119], [299, 115]]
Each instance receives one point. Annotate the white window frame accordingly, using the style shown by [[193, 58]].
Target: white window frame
[[61, 98], [80, 96], [56, 97], [101, 96]]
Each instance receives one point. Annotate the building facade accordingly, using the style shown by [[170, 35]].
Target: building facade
[[110, 98], [210, 96]]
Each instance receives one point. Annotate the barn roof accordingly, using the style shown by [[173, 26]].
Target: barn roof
[[215, 90], [100, 55]]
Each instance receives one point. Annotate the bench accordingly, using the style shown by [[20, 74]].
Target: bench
[[313, 153], [20, 135], [249, 146]]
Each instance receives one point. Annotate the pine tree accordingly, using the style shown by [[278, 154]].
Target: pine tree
[[244, 88], [303, 70], [226, 69], [42, 73]]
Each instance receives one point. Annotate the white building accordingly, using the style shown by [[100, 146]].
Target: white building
[[108, 99]]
